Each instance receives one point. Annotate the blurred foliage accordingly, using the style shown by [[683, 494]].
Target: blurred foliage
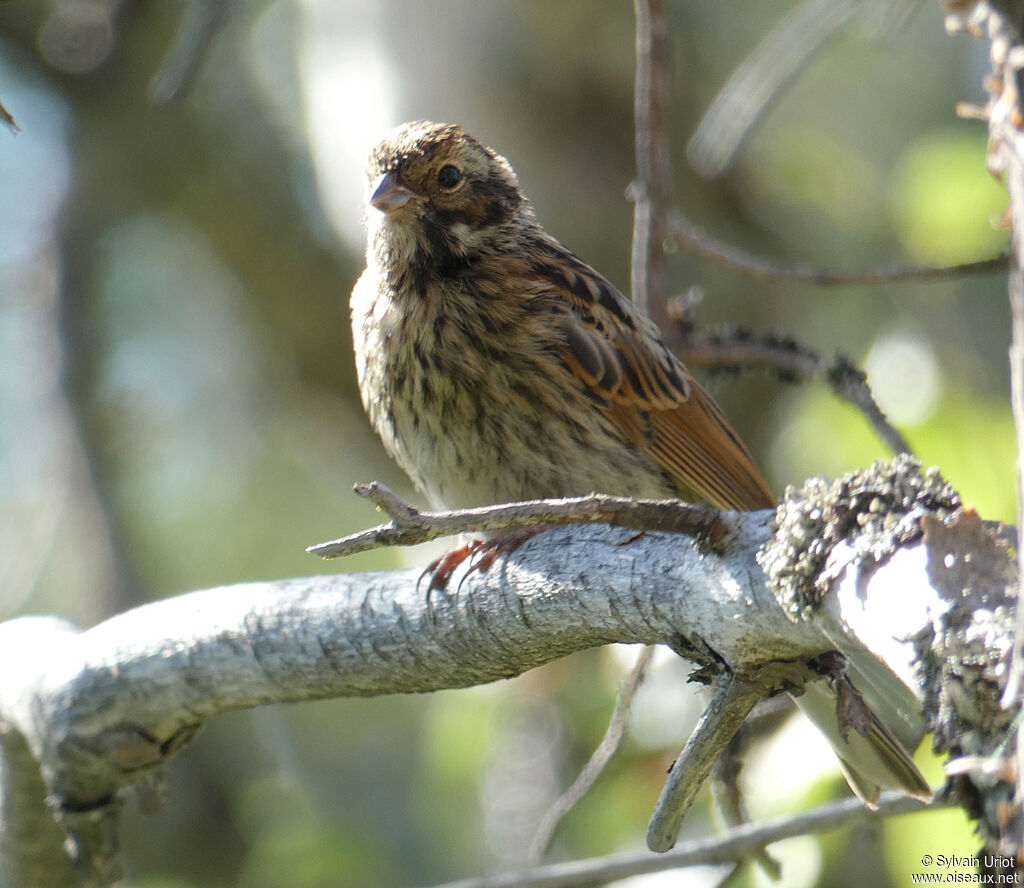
[[178, 408], [971, 440], [954, 224]]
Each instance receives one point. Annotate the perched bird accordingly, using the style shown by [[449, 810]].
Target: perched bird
[[497, 366]]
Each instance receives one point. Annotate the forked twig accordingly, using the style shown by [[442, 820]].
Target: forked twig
[[410, 526], [725, 774], [732, 702]]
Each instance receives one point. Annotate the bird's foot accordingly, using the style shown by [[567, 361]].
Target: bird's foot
[[482, 554]]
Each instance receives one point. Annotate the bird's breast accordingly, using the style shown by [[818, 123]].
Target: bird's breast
[[475, 407]]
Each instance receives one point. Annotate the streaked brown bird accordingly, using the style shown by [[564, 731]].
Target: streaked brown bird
[[497, 366]]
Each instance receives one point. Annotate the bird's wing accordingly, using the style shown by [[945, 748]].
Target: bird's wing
[[648, 392]]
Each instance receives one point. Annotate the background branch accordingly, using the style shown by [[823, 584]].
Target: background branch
[[760, 79], [652, 191], [202, 21], [598, 761], [736, 347], [737, 844], [692, 239]]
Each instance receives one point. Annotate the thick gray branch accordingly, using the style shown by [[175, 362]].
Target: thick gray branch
[[119, 692], [101, 708]]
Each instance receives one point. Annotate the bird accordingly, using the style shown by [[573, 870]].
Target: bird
[[498, 366]]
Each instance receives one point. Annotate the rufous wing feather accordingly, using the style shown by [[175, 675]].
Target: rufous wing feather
[[649, 394]]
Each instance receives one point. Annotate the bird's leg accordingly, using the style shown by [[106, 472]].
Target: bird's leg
[[482, 554], [500, 544], [440, 570]]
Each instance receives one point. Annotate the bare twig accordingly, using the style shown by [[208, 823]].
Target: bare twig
[[202, 21], [733, 700], [737, 347], [733, 347], [598, 761], [851, 383], [653, 189], [410, 526], [737, 844], [688, 237], [726, 791], [760, 79], [7, 120]]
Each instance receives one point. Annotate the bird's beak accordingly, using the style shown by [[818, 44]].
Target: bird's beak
[[387, 195]]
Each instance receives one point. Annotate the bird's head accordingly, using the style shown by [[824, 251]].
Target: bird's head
[[437, 187]]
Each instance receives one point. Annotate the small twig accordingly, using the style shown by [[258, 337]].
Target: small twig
[[597, 763], [734, 347], [410, 526], [688, 237], [725, 787], [737, 347], [202, 21], [760, 79], [653, 189], [851, 383], [737, 844], [732, 702], [8, 121]]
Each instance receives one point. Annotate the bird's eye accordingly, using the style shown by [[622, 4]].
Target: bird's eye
[[448, 177]]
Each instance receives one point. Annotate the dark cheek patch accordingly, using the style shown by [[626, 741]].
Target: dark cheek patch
[[496, 200], [483, 203], [438, 256], [495, 212], [445, 219], [436, 231]]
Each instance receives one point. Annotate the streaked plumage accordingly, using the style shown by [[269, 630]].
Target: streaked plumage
[[497, 366]]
